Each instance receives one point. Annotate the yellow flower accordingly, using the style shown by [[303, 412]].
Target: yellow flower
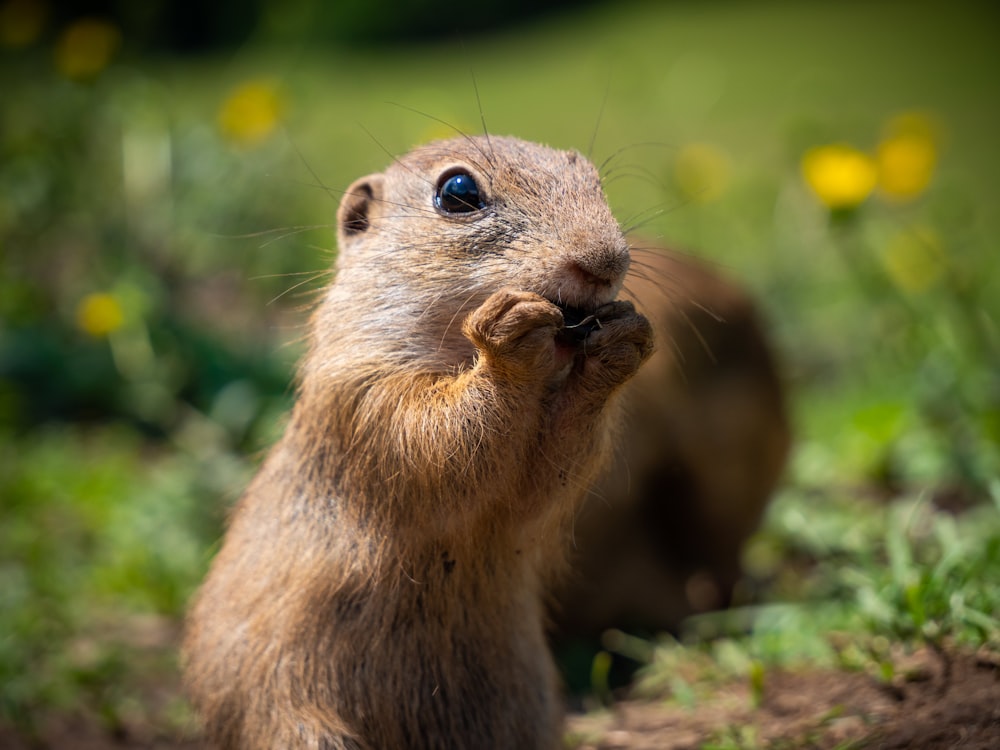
[[21, 22], [99, 314], [841, 176], [702, 172], [86, 48], [906, 157], [915, 259], [251, 112]]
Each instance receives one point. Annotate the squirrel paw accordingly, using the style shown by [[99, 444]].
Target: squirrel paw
[[617, 347], [515, 331]]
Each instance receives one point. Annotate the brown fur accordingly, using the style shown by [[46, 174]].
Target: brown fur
[[380, 582], [705, 440]]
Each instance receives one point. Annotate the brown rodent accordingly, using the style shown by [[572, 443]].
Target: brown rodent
[[705, 440], [380, 584]]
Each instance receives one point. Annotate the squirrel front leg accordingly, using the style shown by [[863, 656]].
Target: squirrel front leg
[[467, 435]]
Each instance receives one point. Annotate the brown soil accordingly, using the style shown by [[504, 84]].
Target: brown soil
[[813, 709], [820, 709]]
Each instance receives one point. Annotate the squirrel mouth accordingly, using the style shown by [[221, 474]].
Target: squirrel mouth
[[578, 324]]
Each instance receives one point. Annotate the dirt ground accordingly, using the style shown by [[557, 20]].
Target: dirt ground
[[816, 709], [820, 709]]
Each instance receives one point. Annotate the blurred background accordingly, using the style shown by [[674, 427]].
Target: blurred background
[[169, 176]]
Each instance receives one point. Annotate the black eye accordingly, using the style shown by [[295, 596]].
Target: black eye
[[458, 193]]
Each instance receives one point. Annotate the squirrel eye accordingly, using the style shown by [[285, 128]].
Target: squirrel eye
[[457, 193]]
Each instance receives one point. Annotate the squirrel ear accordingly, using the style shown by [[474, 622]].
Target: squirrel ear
[[353, 216]]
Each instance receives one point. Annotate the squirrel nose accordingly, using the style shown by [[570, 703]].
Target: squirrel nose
[[603, 263]]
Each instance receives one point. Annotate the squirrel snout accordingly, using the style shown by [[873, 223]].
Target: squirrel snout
[[604, 264]]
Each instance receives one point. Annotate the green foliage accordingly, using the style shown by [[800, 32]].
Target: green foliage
[[939, 581], [906, 570], [95, 535], [863, 583]]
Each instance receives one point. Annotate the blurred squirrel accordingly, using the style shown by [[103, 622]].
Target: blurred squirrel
[[705, 441]]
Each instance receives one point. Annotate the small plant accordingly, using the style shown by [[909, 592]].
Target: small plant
[[930, 332], [939, 585], [870, 584]]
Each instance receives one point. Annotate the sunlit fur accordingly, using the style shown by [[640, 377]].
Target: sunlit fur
[[380, 582]]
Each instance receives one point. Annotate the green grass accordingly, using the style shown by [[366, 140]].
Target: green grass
[[852, 585], [103, 537], [118, 455]]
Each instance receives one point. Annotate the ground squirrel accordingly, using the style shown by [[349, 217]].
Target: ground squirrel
[[381, 581]]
